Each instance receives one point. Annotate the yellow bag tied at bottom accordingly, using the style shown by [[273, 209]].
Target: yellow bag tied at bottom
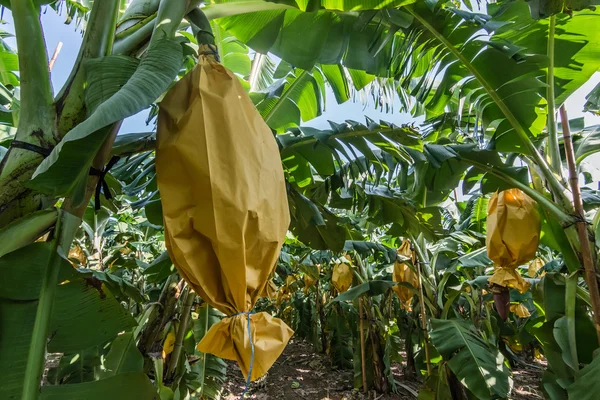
[[403, 273], [341, 277], [513, 235], [225, 208]]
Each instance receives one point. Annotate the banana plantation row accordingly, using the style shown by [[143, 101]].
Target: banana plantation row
[[462, 247]]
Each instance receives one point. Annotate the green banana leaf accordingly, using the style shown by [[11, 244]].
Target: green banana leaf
[[116, 92], [478, 365]]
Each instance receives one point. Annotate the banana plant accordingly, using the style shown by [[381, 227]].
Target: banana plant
[[489, 86], [47, 305]]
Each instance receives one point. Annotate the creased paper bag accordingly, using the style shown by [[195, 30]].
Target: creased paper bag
[[513, 235], [225, 207]]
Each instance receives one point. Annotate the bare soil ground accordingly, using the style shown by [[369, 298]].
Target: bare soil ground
[[300, 373]]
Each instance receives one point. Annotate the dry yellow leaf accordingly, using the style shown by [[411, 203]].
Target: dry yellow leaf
[[289, 280], [514, 343], [77, 253], [308, 281], [168, 344]]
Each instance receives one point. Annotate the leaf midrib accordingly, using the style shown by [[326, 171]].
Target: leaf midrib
[[362, 132], [285, 96], [122, 357], [519, 129], [479, 367]]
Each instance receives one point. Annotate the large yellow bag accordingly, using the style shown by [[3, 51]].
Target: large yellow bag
[[403, 273], [513, 235], [225, 208]]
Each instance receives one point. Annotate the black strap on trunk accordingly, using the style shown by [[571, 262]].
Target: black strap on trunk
[[102, 186], [31, 147]]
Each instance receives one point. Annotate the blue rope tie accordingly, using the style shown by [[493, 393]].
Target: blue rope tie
[[248, 313]]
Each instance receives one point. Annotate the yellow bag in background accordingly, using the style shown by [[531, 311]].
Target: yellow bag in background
[[270, 290], [285, 291], [341, 277], [513, 235], [308, 281], [403, 273], [534, 267], [225, 208], [520, 310]]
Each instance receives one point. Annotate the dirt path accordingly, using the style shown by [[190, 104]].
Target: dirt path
[[300, 373]]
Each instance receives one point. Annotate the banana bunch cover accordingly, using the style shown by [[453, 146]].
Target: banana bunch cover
[[513, 235], [341, 277], [403, 273], [225, 208]]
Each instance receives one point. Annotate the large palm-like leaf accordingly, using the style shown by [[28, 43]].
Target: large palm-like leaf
[[486, 73], [447, 58], [69, 162], [477, 365], [77, 307], [208, 372], [576, 45], [261, 75], [285, 103], [305, 39], [307, 152]]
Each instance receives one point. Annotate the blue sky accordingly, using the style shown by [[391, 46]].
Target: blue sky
[[56, 31]]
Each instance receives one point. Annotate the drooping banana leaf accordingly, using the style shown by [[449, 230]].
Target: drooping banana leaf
[[208, 372], [114, 94], [480, 367], [118, 387]]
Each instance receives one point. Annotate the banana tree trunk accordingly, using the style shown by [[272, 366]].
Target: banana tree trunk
[[37, 116], [586, 249], [42, 121]]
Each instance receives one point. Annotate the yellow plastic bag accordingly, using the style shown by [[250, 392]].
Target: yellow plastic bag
[[520, 310], [225, 208], [403, 273], [513, 235], [534, 267], [341, 277]]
